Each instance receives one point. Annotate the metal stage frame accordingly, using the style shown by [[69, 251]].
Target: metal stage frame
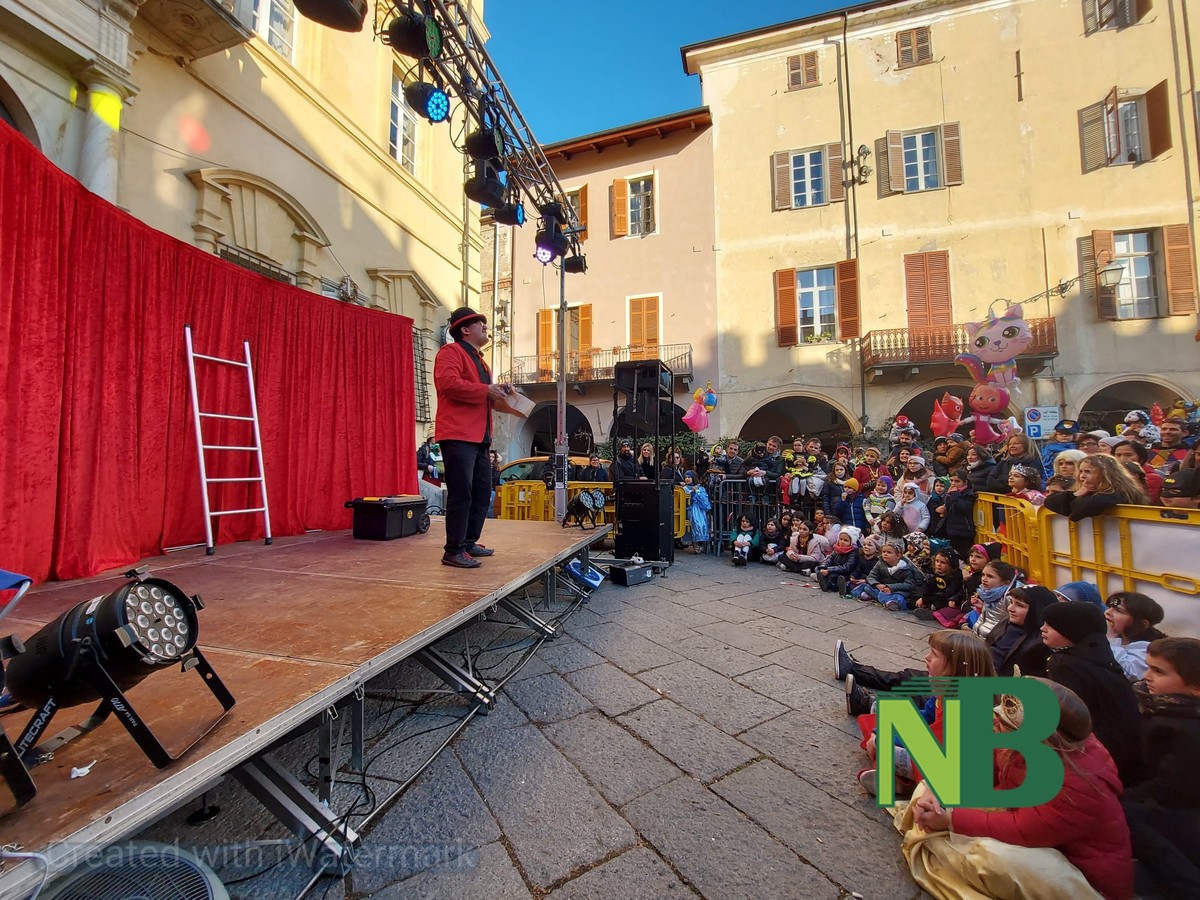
[[295, 630]]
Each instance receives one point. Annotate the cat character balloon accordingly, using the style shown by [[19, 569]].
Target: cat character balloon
[[988, 402], [947, 413], [997, 341]]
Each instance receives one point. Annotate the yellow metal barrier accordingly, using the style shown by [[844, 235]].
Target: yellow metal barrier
[[533, 501], [1014, 524]]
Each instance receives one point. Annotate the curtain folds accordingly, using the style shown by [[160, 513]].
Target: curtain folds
[[97, 454]]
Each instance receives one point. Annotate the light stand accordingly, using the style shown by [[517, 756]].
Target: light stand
[[12, 769]]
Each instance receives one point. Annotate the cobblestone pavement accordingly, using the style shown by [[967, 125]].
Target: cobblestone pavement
[[681, 737]]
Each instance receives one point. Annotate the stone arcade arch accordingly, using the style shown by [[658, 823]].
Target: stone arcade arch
[[797, 414], [1106, 406]]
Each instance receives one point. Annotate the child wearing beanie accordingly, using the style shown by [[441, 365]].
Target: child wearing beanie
[[849, 508], [1080, 658]]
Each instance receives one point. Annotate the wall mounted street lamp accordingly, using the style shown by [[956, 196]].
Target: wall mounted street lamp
[[1109, 274], [858, 165]]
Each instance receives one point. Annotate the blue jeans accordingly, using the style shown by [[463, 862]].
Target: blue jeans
[[879, 596]]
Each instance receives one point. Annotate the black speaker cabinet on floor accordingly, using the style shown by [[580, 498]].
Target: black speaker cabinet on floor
[[645, 521]]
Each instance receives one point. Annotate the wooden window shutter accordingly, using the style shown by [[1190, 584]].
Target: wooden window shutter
[[883, 183], [952, 153], [787, 315], [636, 335], [585, 337], [1107, 13], [1112, 127], [923, 41], [583, 212], [812, 69], [650, 335], [781, 179], [916, 290], [937, 269], [895, 161], [545, 344], [1106, 298], [803, 70], [1091, 23], [620, 208], [1158, 119], [905, 51], [1093, 144], [1181, 270], [846, 272], [835, 169]]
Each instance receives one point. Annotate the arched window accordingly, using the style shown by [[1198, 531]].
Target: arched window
[[12, 113], [251, 222]]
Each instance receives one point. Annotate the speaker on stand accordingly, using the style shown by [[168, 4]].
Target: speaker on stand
[[643, 393]]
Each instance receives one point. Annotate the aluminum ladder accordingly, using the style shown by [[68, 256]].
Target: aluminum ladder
[[199, 416]]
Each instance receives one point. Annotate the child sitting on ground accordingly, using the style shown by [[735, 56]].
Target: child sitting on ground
[[890, 529], [1163, 807], [746, 540], [1016, 642], [978, 558], [773, 544], [1131, 619], [892, 581], [806, 550], [868, 555], [942, 591], [988, 603], [842, 560], [1081, 822]]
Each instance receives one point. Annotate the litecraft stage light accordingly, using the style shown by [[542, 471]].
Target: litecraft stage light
[[100, 649], [415, 35], [341, 15], [428, 100], [598, 499], [550, 240], [510, 213], [485, 186], [580, 509], [486, 143], [575, 264]]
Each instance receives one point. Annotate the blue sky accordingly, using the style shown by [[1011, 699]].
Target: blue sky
[[576, 68]]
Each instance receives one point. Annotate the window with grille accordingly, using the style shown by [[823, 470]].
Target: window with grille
[[1137, 293], [641, 205], [817, 299], [402, 127], [921, 169]]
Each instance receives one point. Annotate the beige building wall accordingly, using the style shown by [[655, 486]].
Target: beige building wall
[[286, 157], [1014, 227], [674, 263]]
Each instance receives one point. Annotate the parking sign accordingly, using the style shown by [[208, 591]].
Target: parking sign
[[1040, 420]]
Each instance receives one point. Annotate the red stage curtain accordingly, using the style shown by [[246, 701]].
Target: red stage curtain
[[97, 456]]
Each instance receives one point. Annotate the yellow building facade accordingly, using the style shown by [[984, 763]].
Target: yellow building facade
[[260, 136], [882, 176]]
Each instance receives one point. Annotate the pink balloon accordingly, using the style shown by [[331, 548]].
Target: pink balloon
[[696, 418]]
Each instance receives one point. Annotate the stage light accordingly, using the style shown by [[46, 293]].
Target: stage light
[[579, 508], [510, 213], [485, 186], [103, 647], [341, 15], [428, 100], [415, 35], [598, 499], [486, 143], [575, 264], [550, 240]]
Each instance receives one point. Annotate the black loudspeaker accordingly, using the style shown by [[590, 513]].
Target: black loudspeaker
[[645, 520]]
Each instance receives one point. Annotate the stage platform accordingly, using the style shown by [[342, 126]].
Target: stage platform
[[292, 629]]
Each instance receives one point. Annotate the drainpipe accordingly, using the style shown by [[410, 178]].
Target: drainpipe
[[862, 374]]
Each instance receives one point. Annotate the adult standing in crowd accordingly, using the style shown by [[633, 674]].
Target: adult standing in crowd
[[1019, 450], [466, 396], [1168, 454]]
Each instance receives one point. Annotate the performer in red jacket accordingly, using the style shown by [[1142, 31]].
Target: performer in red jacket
[[464, 430]]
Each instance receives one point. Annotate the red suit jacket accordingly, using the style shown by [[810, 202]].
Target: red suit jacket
[[464, 408]]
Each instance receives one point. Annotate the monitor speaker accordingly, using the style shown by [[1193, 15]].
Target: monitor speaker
[[645, 520]]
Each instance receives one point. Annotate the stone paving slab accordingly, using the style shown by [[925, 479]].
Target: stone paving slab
[[714, 698], [744, 638], [654, 626], [624, 648], [620, 766], [487, 872], [613, 692], [720, 852], [547, 698], [634, 875], [811, 823], [717, 655], [688, 741], [565, 654], [552, 818], [691, 616], [727, 612]]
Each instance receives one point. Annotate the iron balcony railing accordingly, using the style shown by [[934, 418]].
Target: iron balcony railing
[[597, 364], [910, 346]]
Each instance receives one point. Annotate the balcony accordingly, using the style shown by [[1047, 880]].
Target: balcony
[[900, 353], [201, 27], [597, 365]]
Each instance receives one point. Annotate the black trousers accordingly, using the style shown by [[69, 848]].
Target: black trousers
[[881, 679], [468, 491], [1166, 841]]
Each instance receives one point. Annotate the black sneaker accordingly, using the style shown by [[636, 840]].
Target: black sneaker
[[858, 699], [923, 614], [843, 591], [843, 662], [823, 582], [480, 550], [460, 560]]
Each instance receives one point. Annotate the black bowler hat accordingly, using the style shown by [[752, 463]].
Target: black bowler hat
[[462, 317]]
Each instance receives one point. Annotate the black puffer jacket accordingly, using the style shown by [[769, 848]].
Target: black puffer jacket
[[1088, 668]]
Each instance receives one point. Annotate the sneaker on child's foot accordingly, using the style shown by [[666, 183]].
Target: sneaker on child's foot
[[843, 662], [822, 581], [923, 614], [843, 591], [858, 699], [893, 605], [867, 779]]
